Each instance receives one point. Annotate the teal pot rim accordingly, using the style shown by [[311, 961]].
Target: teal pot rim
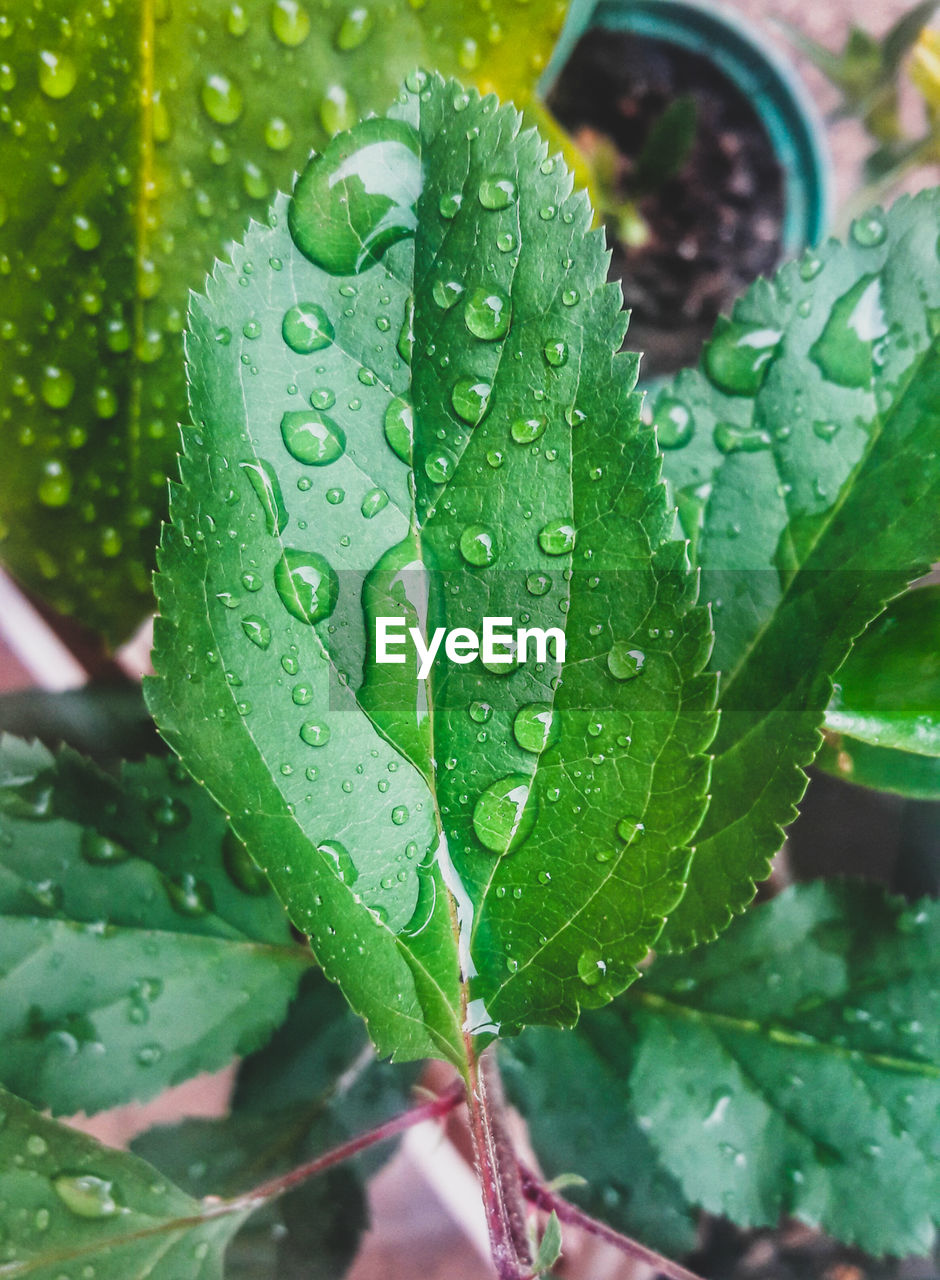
[[748, 59]]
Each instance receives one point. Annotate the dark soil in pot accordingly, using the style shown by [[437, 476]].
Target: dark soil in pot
[[714, 226]]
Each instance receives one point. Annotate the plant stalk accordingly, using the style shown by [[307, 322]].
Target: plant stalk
[[498, 1168]]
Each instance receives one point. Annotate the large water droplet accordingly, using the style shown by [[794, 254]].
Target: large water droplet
[[312, 438], [470, 398], [354, 29], [57, 74], [426, 901], [55, 485], [440, 466], [591, 967], [338, 110], [525, 430], [556, 352], [222, 99], [446, 292], [487, 314], [264, 481], [376, 500], [242, 870], [399, 428], [624, 663], [85, 1195], [870, 229], [339, 861], [290, 22], [845, 350], [730, 438], [306, 327], [307, 585], [477, 545], [739, 355], [358, 198], [505, 814], [57, 387], [100, 851], [497, 193], [557, 537], [674, 423], [257, 630], [315, 733], [406, 336], [536, 727]]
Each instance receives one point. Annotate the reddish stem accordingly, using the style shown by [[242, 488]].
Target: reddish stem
[[431, 1110], [537, 1193]]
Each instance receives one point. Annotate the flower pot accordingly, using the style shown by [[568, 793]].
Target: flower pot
[[735, 60]]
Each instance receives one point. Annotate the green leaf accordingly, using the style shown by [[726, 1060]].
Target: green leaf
[[549, 1250], [572, 1090], [802, 455], [668, 144], [139, 138], [314, 1086], [71, 1207], [416, 829], [880, 768], [902, 35], [803, 1058], [888, 691], [138, 944], [108, 723]]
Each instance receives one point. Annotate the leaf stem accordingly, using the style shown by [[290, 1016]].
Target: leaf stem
[[498, 1169], [434, 1109], [537, 1193]]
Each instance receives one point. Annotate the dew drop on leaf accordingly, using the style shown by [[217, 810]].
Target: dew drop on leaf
[[504, 815], [674, 423], [624, 663], [449, 204], [591, 967], [845, 351], [357, 198], [189, 896], [376, 500], [556, 352], [315, 733], [306, 327], [738, 356], [557, 537], [525, 430], [242, 870], [480, 712], [290, 22], [870, 230], [101, 851], [354, 29], [470, 398], [497, 193], [537, 584], [477, 545], [169, 813], [730, 438], [440, 466], [335, 496], [257, 630], [222, 99], [57, 74], [536, 727], [312, 437], [399, 428], [307, 585], [263, 479], [446, 292], [487, 314], [85, 1195]]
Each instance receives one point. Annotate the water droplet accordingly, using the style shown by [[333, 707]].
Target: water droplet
[[537, 584], [101, 851], [525, 430], [306, 584], [264, 481], [354, 29], [547, 212], [57, 74], [449, 205], [674, 423], [738, 356], [290, 22], [222, 99], [730, 438], [845, 350], [315, 733], [480, 712], [624, 663], [826, 430], [505, 242], [399, 428], [322, 398], [57, 387], [339, 861], [257, 630], [190, 896], [338, 110], [302, 694], [592, 968], [556, 353], [416, 81], [312, 438], [476, 545], [870, 229], [376, 500], [497, 193], [357, 198], [149, 1055], [470, 398], [306, 327], [536, 727], [85, 1195], [440, 466], [85, 233], [36, 1145], [487, 314], [557, 537], [242, 870], [628, 829], [169, 813], [236, 20], [335, 496], [810, 266], [55, 486], [504, 815], [446, 292], [570, 297], [400, 815]]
